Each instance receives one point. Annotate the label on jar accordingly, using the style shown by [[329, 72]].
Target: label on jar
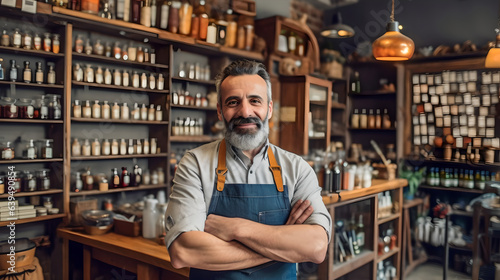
[[48, 152], [126, 180], [30, 153], [7, 154], [46, 184], [32, 185]]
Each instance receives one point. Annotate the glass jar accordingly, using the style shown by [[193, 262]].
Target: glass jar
[[55, 109], [47, 202], [98, 47], [88, 180], [90, 6], [47, 42], [47, 150], [43, 179], [79, 44], [27, 41], [16, 38], [30, 151], [9, 107], [173, 17], [77, 109], [56, 44], [5, 41], [240, 38], [76, 148], [28, 182], [26, 108], [8, 151], [37, 42]]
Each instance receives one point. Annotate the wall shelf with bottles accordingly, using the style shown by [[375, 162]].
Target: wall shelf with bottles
[[95, 85], [160, 155], [373, 129], [344, 268], [102, 58], [387, 255], [371, 93], [19, 161], [117, 121], [38, 53], [452, 189], [206, 82], [388, 218], [193, 107], [35, 193], [194, 139], [34, 121], [33, 85], [119, 190]]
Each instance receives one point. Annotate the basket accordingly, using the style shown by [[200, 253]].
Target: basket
[[22, 255]]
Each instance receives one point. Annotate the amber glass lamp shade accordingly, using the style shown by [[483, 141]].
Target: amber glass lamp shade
[[493, 57], [393, 46], [338, 29]]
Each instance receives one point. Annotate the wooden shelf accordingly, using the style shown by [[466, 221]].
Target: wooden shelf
[[32, 220], [118, 121], [451, 162], [461, 213], [35, 193], [372, 93], [36, 53], [205, 82], [373, 129], [388, 218], [120, 156], [387, 255], [127, 189], [194, 107], [318, 102], [35, 121], [17, 161], [453, 189], [340, 269], [194, 139], [35, 85], [95, 85], [102, 58]]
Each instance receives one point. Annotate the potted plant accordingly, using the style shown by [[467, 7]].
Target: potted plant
[[414, 175]]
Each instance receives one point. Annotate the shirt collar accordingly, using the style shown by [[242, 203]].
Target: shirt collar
[[235, 152]]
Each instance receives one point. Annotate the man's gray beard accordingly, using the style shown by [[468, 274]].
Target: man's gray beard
[[246, 142]]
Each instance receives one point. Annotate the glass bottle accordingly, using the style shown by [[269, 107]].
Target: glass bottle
[[378, 119], [146, 178], [44, 108], [8, 151], [144, 112], [138, 146], [96, 110], [2, 71], [371, 119], [5, 41], [173, 17], [153, 13], [16, 38], [151, 112], [99, 75], [140, 54], [47, 151], [164, 14], [114, 182], [146, 14], [132, 52], [152, 81], [136, 82], [79, 44], [144, 80], [153, 146], [125, 52], [39, 73], [161, 82], [51, 75], [386, 122], [117, 77], [88, 47], [355, 119], [131, 147], [76, 148], [47, 42], [87, 110], [212, 33], [232, 28], [88, 180], [27, 72], [126, 10], [107, 49], [105, 13], [37, 42], [115, 147], [136, 11], [115, 111], [125, 79], [98, 47], [78, 185], [117, 51], [56, 44], [77, 109], [356, 83], [363, 119], [86, 149], [107, 77], [31, 150], [26, 108], [88, 74], [135, 113], [146, 55], [77, 73], [13, 70], [145, 146], [125, 115], [249, 37], [300, 50], [150, 215], [159, 113], [154, 177], [125, 178], [105, 110], [27, 41], [136, 179], [123, 147], [161, 176], [96, 147], [55, 109], [185, 14], [43, 180], [120, 9]]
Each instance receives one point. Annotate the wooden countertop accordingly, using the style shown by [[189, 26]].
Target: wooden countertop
[[137, 248], [378, 185]]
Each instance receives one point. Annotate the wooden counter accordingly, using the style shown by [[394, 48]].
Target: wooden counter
[[141, 256], [378, 185]]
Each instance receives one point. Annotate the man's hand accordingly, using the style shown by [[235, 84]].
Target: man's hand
[[222, 227], [300, 212]]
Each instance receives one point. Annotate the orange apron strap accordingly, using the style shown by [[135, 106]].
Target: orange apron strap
[[221, 166], [275, 169]]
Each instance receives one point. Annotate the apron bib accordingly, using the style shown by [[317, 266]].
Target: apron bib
[[263, 203]]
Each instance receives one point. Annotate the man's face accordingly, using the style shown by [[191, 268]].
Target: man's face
[[245, 110]]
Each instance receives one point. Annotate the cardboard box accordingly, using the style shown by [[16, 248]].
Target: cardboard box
[[128, 228]]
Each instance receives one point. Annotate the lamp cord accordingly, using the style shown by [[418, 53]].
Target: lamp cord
[[392, 13]]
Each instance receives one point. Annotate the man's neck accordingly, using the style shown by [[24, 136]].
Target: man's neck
[[252, 153]]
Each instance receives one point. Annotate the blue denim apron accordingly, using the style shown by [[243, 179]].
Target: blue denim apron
[[264, 203]]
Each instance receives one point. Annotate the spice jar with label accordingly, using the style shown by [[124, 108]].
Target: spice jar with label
[[125, 114], [123, 147], [37, 42], [26, 108], [8, 151], [9, 108], [161, 82], [159, 113], [86, 149], [86, 110], [125, 79], [103, 186], [76, 148], [51, 75], [96, 110], [115, 111], [56, 44], [106, 147], [47, 42], [16, 38], [107, 77], [105, 110], [27, 72], [96, 147], [28, 182], [99, 75], [151, 112], [79, 44], [39, 73], [43, 180], [30, 151], [27, 41], [117, 77], [5, 41], [115, 147], [145, 146], [114, 181], [88, 180]]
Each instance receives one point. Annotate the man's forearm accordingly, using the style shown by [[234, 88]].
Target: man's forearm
[[204, 251]]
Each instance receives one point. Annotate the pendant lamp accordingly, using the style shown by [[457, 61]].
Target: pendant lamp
[[338, 29], [393, 46]]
